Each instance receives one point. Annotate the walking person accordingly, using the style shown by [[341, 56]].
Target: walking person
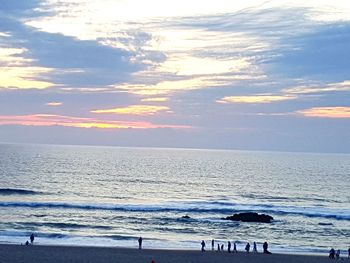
[[247, 247], [203, 245], [255, 248], [234, 247]]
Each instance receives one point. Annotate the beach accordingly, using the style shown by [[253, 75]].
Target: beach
[[68, 254]]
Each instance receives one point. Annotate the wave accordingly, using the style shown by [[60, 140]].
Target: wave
[[65, 225], [13, 191], [194, 207], [286, 198], [26, 234]]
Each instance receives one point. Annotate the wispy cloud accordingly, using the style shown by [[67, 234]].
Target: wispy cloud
[[79, 122], [332, 87], [54, 104], [326, 112], [134, 110], [256, 99], [168, 87], [155, 99]]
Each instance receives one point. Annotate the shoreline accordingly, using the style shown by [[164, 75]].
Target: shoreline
[[61, 253], [289, 252]]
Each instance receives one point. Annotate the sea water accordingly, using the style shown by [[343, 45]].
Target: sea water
[[109, 196]]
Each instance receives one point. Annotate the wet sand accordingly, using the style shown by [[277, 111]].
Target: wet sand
[[66, 254]]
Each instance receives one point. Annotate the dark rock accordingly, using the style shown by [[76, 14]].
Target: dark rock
[[186, 217], [325, 224], [250, 217]]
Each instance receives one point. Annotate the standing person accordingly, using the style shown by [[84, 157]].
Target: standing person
[[140, 242], [212, 244], [247, 247], [331, 253], [203, 245], [222, 247], [234, 247], [218, 247], [255, 248], [229, 247], [265, 246], [31, 238]]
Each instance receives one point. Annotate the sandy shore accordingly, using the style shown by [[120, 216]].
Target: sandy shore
[[56, 254]]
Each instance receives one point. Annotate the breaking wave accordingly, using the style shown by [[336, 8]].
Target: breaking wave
[[13, 191], [193, 208]]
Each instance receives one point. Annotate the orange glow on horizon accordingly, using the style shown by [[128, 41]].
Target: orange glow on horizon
[[79, 122]]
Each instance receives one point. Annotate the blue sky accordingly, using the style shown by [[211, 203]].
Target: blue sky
[[254, 75]]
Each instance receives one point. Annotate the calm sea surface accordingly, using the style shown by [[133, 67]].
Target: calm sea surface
[[110, 196]]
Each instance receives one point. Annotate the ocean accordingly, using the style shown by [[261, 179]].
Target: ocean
[[109, 196]]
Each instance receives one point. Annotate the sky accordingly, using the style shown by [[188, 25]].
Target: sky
[[246, 75]]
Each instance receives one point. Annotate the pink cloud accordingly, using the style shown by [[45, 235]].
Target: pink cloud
[[79, 122]]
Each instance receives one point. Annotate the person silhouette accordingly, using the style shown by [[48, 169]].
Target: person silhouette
[[265, 246], [31, 238], [222, 247], [234, 247], [229, 247], [349, 252], [247, 247], [331, 253], [140, 242], [255, 248], [212, 244], [218, 247], [203, 245]]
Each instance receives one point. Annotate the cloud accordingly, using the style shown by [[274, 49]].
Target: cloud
[[332, 87], [135, 110], [23, 77], [171, 86], [326, 112], [155, 99], [254, 99], [17, 71], [54, 103], [78, 122], [62, 60]]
